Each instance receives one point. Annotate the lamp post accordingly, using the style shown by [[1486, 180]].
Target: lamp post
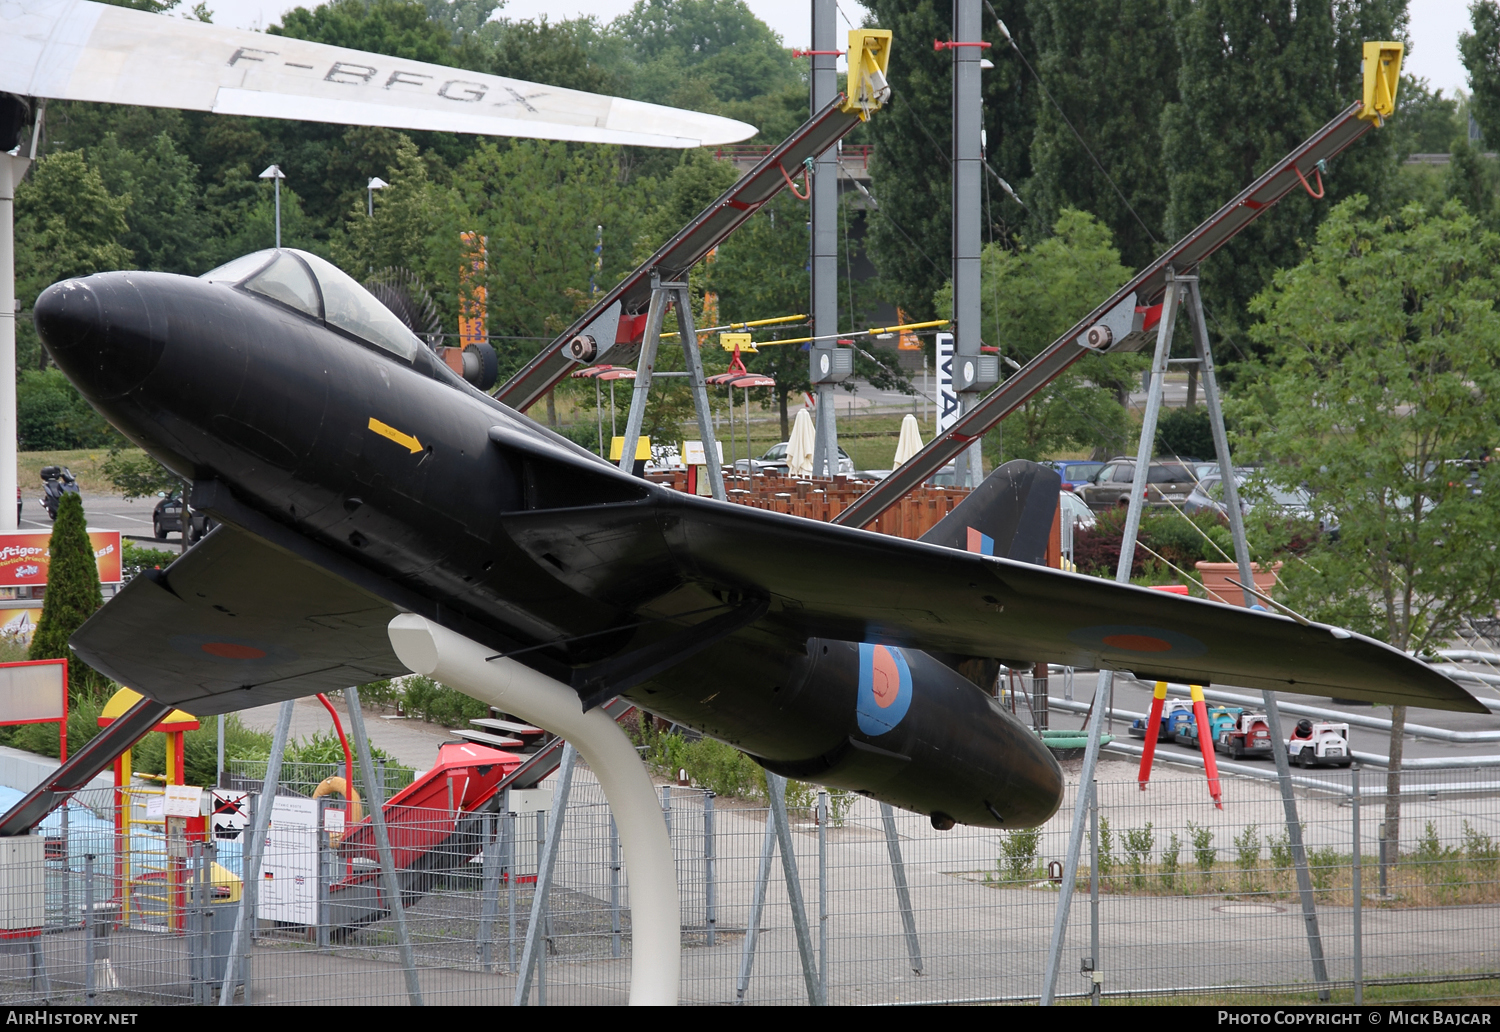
[[375, 183], [274, 173]]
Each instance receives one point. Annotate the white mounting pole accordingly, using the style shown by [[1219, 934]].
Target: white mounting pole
[[506, 684], [12, 168]]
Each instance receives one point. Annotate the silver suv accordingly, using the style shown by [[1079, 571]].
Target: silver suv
[[1168, 483]]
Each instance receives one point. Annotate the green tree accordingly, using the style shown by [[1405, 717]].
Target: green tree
[[1256, 79], [685, 50], [67, 224], [1033, 294], [1480, 52], [1383, 351], [910, 236], [1426, 122], [760, 273], [72, 597], [409, 217], [398, 28], [1112, 68], [164, 220], [538, 205]]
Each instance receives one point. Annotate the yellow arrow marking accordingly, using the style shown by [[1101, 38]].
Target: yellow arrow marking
[[406, 441]]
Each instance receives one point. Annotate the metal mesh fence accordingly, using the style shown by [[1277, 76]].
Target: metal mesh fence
[[1191, 900]]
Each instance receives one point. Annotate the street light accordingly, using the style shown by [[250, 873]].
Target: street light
[[376, 183], [274, 173]]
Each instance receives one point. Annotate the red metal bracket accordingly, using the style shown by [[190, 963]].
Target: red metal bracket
[[939, 44], [818, 53]]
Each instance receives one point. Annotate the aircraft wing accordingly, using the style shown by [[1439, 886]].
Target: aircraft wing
[[237, 622], [80, 50], [835, 582]]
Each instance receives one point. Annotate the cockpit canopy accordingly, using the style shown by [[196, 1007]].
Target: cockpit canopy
[[320, 289]]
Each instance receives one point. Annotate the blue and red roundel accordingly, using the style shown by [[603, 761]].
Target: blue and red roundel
[[884, 688]]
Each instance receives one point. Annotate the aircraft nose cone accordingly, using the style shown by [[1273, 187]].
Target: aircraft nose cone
[[101, 332]]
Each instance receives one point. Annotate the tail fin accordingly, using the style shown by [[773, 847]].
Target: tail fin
[[1009, 515]]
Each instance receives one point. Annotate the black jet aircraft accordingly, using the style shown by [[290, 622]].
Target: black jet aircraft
[[355, 476]]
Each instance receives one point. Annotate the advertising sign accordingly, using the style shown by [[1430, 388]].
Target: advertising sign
[[24, 556], [947, 397]]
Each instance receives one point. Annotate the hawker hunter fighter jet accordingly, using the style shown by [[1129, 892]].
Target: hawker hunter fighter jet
[[354, 477]]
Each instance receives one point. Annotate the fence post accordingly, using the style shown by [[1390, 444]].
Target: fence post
[[1095, 972], [903, 891], [376, 803], [822, 820], [710, 916], [510, 884], [757, 903], [88, 928], [489, 887], [325, 869], [546, 861], [1359, 940], [245, 920], [777, 785], [614, 888]]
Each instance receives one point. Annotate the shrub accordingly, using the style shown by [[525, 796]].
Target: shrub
[[1481, 849], [1019, 852], [438, 704], [52, 416], [1186, 433], [1138, 843], [1321, 864], [1281, 851], [135, 559], [1247, 856], [1106, 849], [1204, 853], [1169, 861], [722, 769], [73, 596]]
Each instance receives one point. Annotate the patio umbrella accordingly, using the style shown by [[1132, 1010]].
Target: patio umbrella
[[910, 442], [799, 449]]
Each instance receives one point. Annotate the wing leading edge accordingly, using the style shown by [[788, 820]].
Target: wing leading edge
[[237, 622], [835, 582]]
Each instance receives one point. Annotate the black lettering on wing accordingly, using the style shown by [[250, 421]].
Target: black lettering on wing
[[357, 74]]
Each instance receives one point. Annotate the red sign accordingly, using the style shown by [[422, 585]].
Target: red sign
[[24, 556]]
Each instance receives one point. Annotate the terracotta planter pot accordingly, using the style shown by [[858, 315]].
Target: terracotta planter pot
[[1216, 577]]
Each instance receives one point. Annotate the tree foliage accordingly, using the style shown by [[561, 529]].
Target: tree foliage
[[1480, 52], [1112, 68], [1382, 394], [1256, 79], [1033, 294], [910, 236], [73, 594]]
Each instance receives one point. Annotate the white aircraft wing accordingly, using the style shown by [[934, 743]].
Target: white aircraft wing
[[80, 50]]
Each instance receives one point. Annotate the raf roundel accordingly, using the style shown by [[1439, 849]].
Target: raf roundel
[[1137, 640], [884, 689]]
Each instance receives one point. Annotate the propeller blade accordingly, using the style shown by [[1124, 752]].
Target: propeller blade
[[80, 50]]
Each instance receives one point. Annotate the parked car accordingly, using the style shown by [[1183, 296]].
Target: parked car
[[1074, 474], [1167, 484], [1173, 713], [1256, 494], [1074, 507], [166, 518], [1249, 735], [774, 461], [1321, 743], [1219, 717]]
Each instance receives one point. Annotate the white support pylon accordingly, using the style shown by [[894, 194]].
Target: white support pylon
[[656, 956]]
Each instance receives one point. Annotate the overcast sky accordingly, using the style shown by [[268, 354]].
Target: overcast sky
[[1435, 25]]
